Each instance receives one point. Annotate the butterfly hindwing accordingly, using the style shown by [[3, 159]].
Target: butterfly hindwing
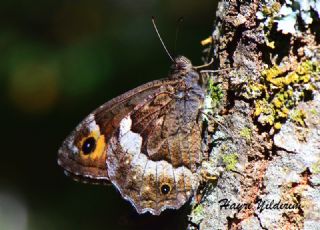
[[153, 156]]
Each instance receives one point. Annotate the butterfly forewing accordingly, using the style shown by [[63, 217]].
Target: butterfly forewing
[[100, 125]]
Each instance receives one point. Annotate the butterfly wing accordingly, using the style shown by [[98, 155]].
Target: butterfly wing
[[154, 153], [147, 142]]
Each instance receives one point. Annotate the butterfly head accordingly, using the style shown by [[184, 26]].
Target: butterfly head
[[181, 63], [83, 153]]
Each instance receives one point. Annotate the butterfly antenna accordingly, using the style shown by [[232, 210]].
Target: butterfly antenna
[[177, 33], [156, 29]]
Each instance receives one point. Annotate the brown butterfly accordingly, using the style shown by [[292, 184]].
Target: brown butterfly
[[146, 142]]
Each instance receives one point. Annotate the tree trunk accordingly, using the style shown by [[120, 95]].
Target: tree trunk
[[267, 139]]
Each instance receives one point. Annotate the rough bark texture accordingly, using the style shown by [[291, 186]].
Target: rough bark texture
[[271, 108]]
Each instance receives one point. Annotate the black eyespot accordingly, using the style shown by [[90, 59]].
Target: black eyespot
[[165, 189], [88, 145]]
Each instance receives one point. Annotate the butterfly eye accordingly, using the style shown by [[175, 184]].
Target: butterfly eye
[[165, 189], [88, 145]]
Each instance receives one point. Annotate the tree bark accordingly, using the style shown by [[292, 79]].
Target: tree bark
[[267, 140]]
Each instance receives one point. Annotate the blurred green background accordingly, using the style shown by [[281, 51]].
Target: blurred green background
[[59, 61]]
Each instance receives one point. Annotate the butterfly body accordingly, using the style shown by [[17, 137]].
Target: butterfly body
[[146, 142]]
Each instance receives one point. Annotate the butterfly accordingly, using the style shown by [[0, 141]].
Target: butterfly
[[146, 142]]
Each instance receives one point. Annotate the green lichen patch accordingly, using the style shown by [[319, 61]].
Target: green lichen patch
[[198, 210], [215, 92], [315, 168], [246, 133], [197, 214], [314, 112], [298, 116], [230, 160]]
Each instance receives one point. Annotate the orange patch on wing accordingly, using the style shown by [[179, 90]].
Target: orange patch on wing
[[100, 148]]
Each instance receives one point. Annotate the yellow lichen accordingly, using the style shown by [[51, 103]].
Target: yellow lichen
[[277, 125], [269, 11], [270, 44], [282, 89], [254, 90], [276, 7], [265, 111]]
